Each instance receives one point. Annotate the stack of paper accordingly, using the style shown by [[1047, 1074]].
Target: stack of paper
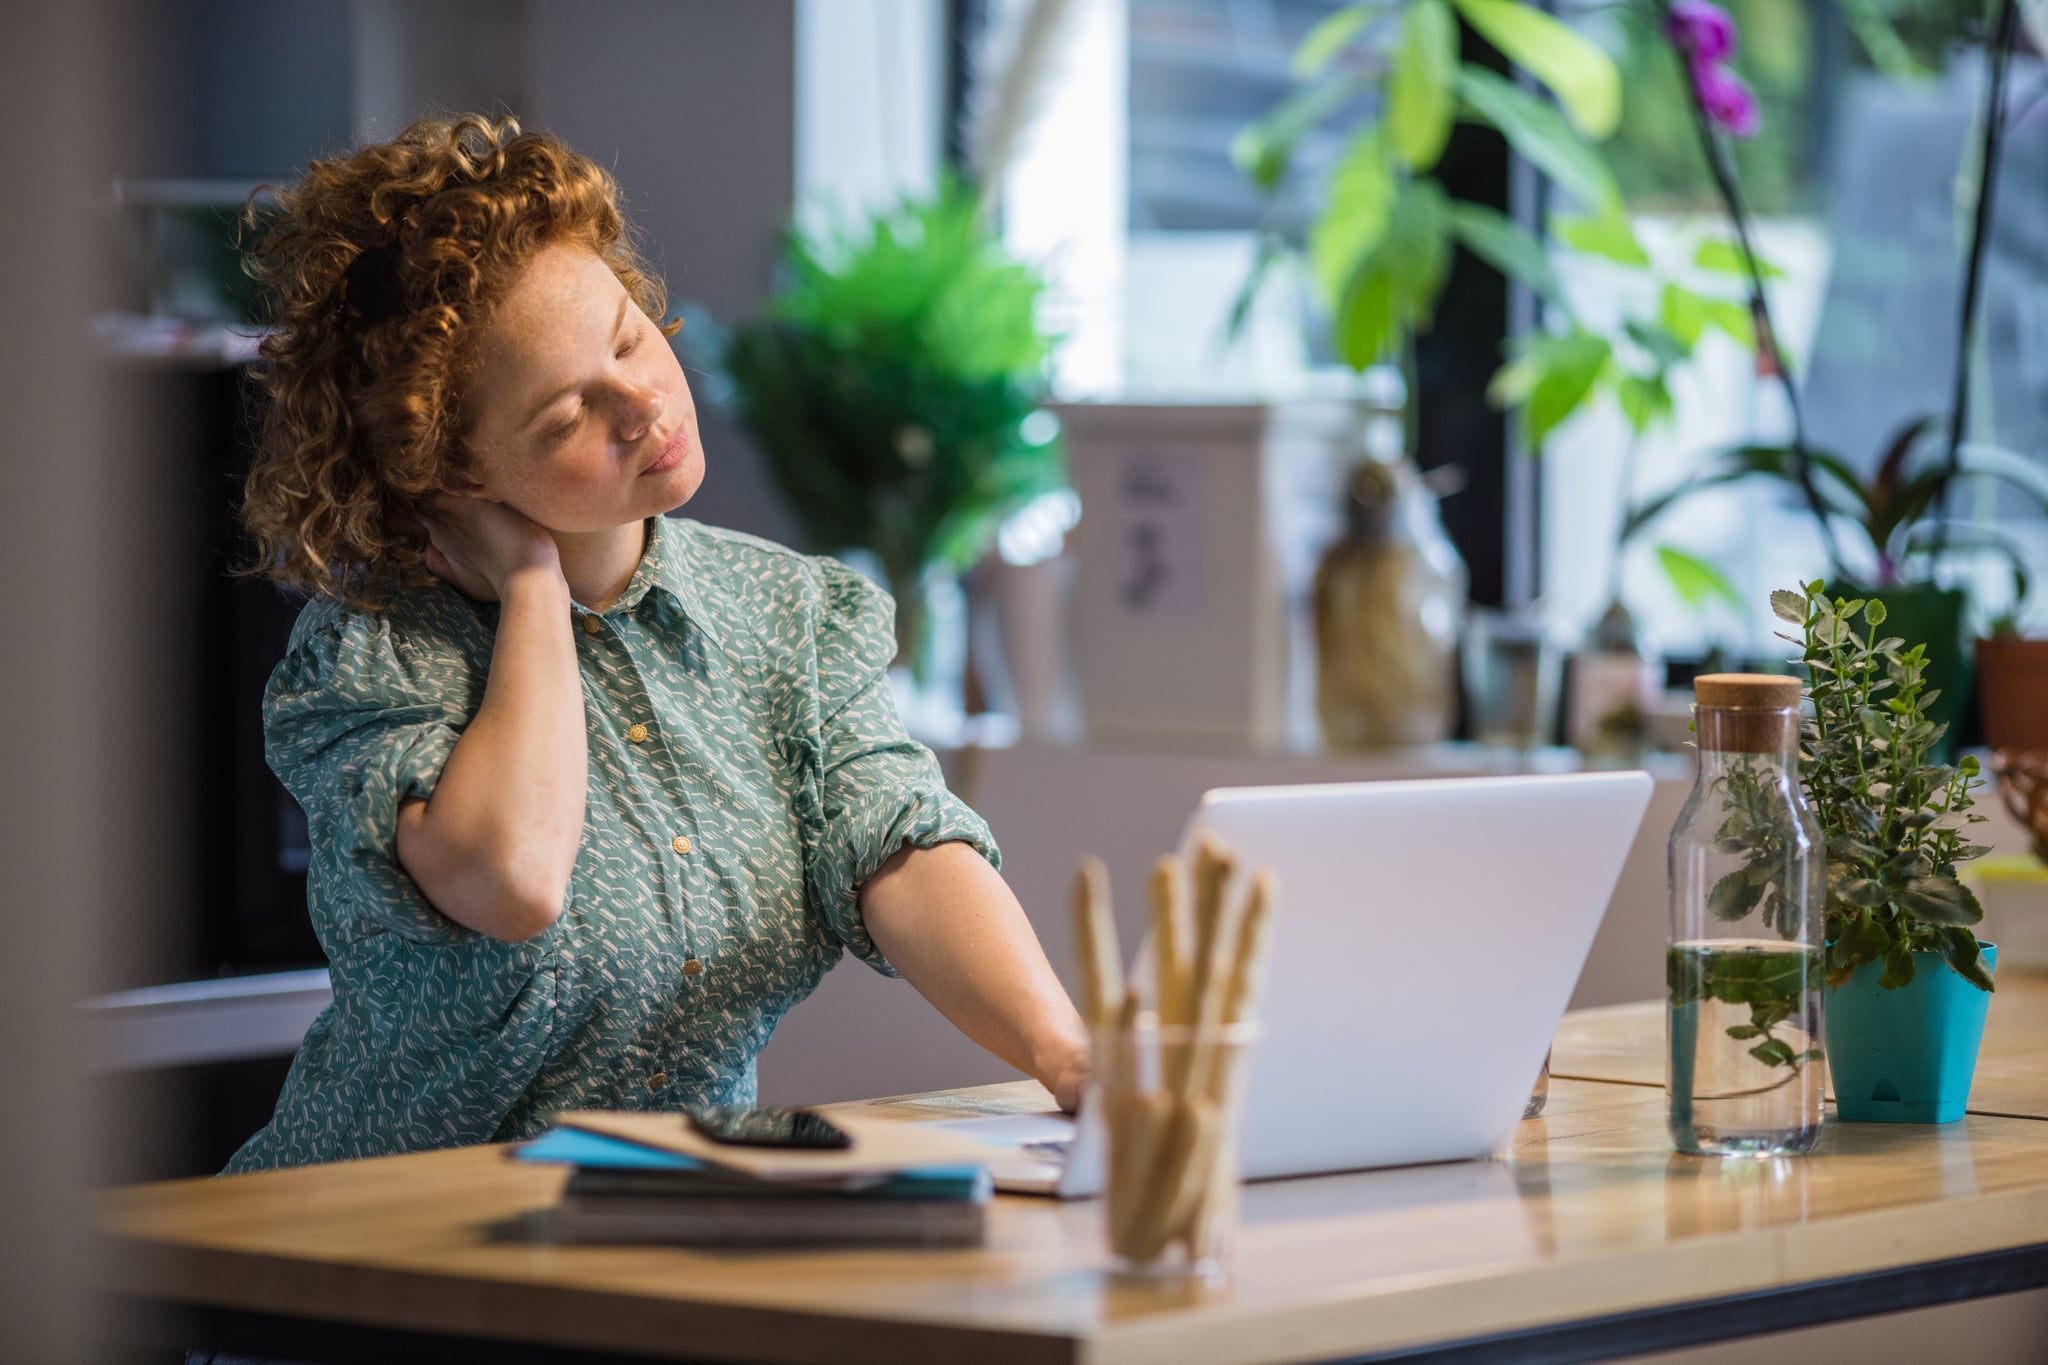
[[651, 1178]]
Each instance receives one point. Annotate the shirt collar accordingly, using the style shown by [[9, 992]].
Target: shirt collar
[[666, 575]]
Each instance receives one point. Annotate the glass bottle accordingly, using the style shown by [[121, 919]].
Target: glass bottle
[[1745, 1075], [1612, 685], [1389, 602]]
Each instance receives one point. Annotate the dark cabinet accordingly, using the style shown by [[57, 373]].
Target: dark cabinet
[[243, 906]]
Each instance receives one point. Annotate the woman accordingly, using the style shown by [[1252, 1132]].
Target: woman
[[595, 796]]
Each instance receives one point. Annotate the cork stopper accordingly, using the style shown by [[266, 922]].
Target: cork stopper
[[1746, 691], [1749, 713]]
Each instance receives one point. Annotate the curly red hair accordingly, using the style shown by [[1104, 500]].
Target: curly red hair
[[366, 420]]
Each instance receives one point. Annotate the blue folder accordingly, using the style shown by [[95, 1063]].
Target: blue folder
[[575, 1147], [595, 1151]]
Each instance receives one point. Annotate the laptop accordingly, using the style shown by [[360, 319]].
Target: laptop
[[1427, 939]]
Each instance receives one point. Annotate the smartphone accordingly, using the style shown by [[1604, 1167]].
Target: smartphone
[[769, 1128]]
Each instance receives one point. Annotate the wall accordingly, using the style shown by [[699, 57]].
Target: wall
[[78, 689], [690, 103]]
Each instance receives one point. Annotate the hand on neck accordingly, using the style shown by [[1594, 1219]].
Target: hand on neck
[[599, 564]]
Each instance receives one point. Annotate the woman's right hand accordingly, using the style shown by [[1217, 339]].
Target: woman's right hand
[[477, 545]]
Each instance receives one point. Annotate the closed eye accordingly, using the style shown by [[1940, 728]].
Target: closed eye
[[556, 435]]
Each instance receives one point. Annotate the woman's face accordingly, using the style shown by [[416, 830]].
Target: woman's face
[[580, 418]]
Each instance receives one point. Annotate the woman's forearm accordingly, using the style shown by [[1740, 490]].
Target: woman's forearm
[[494, 847], [949, 923]]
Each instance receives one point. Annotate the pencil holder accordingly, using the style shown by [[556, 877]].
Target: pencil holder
[[1172, 1097]]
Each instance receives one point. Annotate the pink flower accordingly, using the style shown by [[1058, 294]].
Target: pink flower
[[1725, 97], [1703, 31]]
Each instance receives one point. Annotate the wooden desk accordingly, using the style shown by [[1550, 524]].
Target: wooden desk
[[1590, 1239], [1624, 1044]]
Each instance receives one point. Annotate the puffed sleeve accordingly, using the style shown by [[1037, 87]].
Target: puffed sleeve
[[363, 712], [879, 790]]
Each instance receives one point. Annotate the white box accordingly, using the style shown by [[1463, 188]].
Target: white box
[[1200, 530]]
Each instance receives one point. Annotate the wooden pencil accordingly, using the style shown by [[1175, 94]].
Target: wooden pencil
[[1102, 986], [1173, 1177], [1172, 940]]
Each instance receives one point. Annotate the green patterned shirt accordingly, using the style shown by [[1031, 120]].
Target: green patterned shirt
[[747, 773]]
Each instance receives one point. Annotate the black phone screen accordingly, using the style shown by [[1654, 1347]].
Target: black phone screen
[[769, 1128]]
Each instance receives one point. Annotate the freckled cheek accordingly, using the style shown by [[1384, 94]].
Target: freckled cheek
[[586, 469]]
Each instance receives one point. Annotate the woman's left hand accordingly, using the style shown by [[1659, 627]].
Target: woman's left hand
[[1068, 1079], [946, 920]]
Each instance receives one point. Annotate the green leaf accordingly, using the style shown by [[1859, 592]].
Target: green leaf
[[1513, 382], [1657, 342], [1959, 949], [1354, 222], [1644, 402], [1873, 612], [1789, 606], [1394, 290], [1725, 257], [1898, 967], [1695, 580], [1368, 319], [1583, 78], [1888, 52], [1608, 235], [1271, 251], [1863, 891], [1332, 35], [1734, 896], [1734, 319], [1867, 939], [1772, 1052], [1419, 101], [1539, 134], [1768, 1014], [1566, 369], [1744, 1032], [1938, 900], [1684, 314], [1265, 150], [1503, 244]]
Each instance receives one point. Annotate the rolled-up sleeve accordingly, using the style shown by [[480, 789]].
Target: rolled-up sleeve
[[879, 790], [354, 721]]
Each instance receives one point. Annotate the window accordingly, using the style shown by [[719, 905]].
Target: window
[[1859, 177]]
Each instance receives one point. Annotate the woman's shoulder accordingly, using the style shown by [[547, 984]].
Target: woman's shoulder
[[424, 639], [771, 587]]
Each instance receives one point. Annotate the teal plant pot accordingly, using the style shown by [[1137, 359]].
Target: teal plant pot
[[1905, 1056]]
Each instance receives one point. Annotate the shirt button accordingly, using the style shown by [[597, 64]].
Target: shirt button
[[657, 1080], [637, 734], [681, 843], [693, 967], [592, 625]]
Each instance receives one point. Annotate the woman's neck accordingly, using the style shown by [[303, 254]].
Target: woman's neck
[[599, 564]]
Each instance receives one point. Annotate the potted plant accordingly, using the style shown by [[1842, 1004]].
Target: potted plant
[[1380, 245], [2012, 688], [1889, 526], [1908, 983], [892, 384], [1898, 521]]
